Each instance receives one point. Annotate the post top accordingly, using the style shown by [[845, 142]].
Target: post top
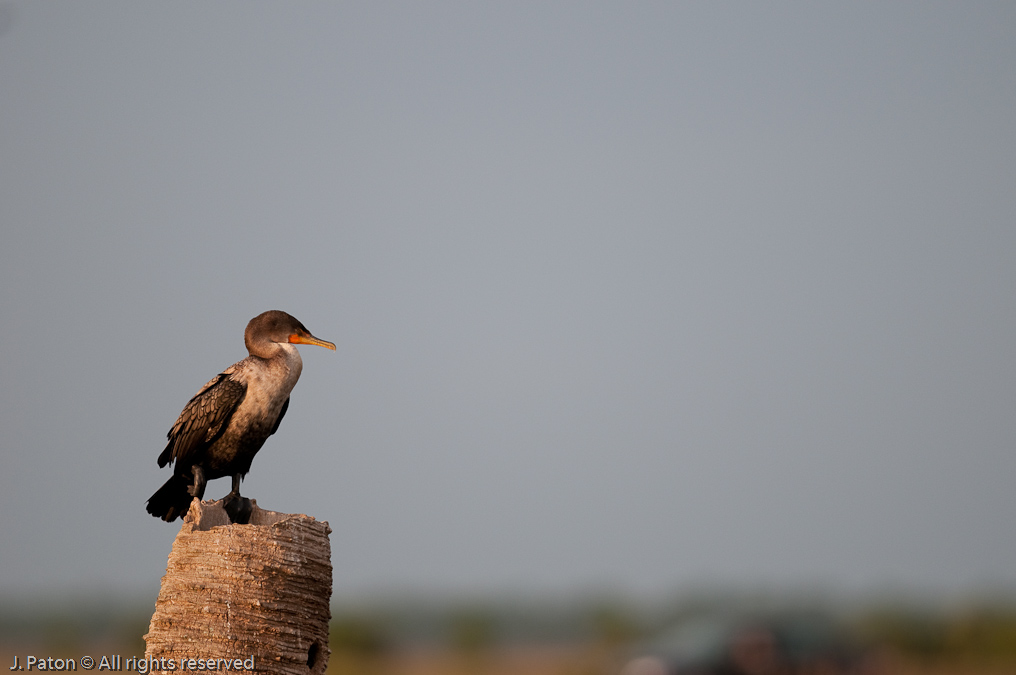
[[204, 515]]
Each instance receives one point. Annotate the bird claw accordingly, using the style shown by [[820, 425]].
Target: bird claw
[[239, 509]]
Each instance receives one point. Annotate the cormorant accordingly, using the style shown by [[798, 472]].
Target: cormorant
[[226, 423]]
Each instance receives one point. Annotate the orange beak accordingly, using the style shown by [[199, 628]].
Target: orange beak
[[310, 340]]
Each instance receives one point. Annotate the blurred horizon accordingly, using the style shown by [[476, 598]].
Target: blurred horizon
[[718, 595], [592, 634]]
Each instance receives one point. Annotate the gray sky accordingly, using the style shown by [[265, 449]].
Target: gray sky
[[632, 296]]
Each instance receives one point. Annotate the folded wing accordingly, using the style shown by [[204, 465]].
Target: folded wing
[[203, 420]]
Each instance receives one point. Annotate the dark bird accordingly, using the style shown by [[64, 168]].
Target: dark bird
[[226, 423]]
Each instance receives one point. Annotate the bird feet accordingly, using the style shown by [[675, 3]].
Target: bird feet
[[239, 509], [197, 486]]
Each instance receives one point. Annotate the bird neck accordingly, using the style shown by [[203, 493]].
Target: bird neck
[[281, 362]]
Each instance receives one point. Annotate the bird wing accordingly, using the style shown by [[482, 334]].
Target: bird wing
[[278, 420], [203, 420]]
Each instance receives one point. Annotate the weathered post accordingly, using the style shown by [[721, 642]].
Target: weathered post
[[258, 593]]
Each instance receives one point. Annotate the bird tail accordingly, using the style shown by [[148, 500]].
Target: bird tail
[[171, 500]]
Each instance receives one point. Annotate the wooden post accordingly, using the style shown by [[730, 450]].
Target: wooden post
[[259, 593]]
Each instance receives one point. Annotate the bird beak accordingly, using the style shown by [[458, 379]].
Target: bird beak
[[310, 340]]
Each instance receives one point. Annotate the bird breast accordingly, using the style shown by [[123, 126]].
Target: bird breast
[[269, 383]]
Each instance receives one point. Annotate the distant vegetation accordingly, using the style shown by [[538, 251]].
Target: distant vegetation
[[986, 631], [370, 633]]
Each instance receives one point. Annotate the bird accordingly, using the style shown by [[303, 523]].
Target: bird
[[225, 424]]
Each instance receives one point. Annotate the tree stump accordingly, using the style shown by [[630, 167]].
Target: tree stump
[[231, 592]]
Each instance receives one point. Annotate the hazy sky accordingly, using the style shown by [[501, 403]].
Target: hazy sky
[[629, 296]]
